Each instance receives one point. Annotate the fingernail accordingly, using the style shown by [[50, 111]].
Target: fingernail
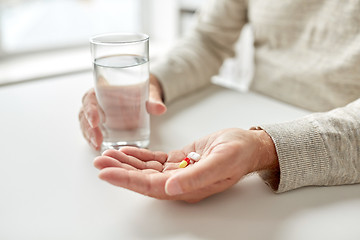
[[173, 188]]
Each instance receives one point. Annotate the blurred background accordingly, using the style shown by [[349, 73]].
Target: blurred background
[[44, 38]]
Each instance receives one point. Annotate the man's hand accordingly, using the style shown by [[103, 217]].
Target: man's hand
[[89, 115], [226, 156]]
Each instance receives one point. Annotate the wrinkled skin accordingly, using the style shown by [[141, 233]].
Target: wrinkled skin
[[226, 156]]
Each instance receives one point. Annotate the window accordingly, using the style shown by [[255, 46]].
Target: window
[[47, 38], [50, 37], [35, 25]]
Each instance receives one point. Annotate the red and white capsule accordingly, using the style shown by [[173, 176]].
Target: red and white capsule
[[191, 158], [184, 162]]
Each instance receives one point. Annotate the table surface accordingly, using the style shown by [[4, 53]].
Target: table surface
[[50, 189]]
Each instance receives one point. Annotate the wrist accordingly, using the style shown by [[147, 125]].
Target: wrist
[[267, 152]]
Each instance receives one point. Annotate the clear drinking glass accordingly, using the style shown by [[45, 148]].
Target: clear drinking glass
[[121, 72]]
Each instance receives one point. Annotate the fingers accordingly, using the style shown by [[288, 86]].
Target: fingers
[[151, 184], [138, 170], [192, 184], [89, 120], [176, 156], [204, 173], [137, 163], [155, 105], [90, 108], [145, 154], [173, 160], [106, 162]]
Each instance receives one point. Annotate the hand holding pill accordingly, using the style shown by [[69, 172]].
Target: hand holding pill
[[226, 156]]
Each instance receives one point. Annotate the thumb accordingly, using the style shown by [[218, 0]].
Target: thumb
[[200, 175], [155, 105]]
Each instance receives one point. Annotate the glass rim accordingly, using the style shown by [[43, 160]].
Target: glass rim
[[96, 39]]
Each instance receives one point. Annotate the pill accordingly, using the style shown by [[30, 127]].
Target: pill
[[194, 156], [184, 162]]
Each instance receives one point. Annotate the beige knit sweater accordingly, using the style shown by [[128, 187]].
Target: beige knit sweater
[[307, 53]]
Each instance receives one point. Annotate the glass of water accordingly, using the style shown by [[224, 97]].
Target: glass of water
[[121, 72]]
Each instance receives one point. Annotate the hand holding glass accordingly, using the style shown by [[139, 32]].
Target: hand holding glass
[[121, 72]]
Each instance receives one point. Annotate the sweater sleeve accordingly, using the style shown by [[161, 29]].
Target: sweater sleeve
[[320, 149], [191, 63]]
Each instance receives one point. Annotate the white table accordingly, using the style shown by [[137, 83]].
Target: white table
[[50, 190]]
